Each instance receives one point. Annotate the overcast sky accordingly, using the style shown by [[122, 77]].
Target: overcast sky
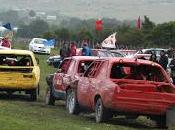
[[158, 10]]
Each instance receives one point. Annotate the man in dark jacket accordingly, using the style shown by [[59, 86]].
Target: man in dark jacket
[[64, 50], [163, 60]]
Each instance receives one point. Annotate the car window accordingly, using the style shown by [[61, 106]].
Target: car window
[[116, 54], [83, 66], [15, 60], [93, 69], [137, 72]]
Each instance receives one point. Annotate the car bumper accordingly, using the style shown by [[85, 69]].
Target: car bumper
[[44, 51]]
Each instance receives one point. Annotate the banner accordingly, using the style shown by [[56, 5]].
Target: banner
[[109, 42], [50, 43]]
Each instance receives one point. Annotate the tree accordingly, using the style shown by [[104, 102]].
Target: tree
[[84, 34], [62, 34], [48, 35], [32, 13], [38, 27], [164, 34], [147, 24], [34, 29]]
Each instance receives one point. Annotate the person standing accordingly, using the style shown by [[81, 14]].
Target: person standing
[[153, 58], [86, 51], [64, 50], [73, 49], [6, 43], [163, 61]]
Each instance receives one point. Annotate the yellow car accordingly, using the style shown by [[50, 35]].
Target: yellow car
[[19, 71]]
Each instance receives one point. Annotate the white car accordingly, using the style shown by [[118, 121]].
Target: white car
[[37, 46]]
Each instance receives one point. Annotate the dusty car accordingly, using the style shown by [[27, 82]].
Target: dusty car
[[19, 71], [68, 73], [115, 86]]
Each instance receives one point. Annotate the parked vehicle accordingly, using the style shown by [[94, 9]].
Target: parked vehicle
[[97, 52], [117, 53], [19, 71], [68, 74], [146, 53], [115, 86], [127, 52], [54, 60], [37, 46]]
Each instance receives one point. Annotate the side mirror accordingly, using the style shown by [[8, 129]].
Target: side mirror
[[37, 61]]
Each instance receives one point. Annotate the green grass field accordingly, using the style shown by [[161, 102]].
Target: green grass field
[[18, 113]]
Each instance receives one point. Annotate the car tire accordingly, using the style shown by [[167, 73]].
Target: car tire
[[49, 98], [71, 102], [101, 113], [34, 94]]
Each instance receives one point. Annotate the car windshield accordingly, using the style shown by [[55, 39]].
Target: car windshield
[[137, 72], [101, 53], [117, 54], [39, 41]]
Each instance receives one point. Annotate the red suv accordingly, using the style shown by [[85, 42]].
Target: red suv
[[114, 86]]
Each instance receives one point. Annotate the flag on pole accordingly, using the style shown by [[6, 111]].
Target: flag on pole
[[7, 26], [109, 42], [99, 25], [138, 23]]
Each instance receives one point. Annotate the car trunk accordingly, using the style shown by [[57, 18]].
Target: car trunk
[[17, 77], [144, 97]]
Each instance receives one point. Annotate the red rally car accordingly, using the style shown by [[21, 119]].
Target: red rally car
[[113, 86], [67, 75]]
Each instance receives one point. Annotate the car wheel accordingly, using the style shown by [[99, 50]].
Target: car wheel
[[101, 113], [34, 94], [49, 98], [71, 102]]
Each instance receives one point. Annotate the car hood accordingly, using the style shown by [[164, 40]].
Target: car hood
[[38, 45]]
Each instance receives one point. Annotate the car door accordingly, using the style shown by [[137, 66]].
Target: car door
[[61, 76], [87, 83]]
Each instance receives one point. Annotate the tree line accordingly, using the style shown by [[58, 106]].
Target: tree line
[[150, 34]]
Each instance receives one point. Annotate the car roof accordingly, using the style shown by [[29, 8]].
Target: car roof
[[16, 51], [129, 60], [83, 57], [154, 49], [39, 39]]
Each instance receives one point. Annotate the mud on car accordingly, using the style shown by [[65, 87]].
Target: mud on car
[[122, 86], [19, 71]]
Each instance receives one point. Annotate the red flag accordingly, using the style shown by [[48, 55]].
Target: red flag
[[138, 23], [98, 25]]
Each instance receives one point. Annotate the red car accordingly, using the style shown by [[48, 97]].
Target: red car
[[68, 74], [113, 86]]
